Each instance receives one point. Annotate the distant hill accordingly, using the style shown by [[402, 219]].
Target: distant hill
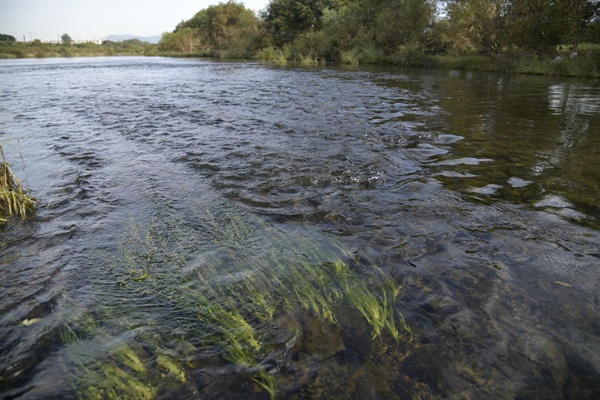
[[120, 38]]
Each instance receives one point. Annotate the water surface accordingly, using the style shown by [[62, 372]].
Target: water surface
[[477, 194]]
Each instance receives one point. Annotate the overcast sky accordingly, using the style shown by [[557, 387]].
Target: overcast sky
[[89, 19]]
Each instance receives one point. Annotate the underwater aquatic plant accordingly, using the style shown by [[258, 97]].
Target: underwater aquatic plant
[[101, 364], [224, 279]]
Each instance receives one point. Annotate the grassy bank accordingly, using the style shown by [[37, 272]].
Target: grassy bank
[[37, 49], [585, 64]]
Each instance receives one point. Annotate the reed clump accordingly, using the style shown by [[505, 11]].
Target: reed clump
[[351, 56], [310, 60], [15, 199], [274, 55]]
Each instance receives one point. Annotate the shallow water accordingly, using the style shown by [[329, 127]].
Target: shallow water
[[478, 193]]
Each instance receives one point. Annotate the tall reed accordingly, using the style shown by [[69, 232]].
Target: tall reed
[[274, 55]]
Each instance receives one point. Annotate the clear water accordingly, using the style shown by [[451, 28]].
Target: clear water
[[478, 193]]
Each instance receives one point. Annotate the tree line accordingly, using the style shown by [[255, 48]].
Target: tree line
[[338, 29], [514, 35], [10, 48]]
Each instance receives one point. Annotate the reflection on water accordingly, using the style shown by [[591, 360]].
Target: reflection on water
[[545, 138], [573, 99], [464, 204]]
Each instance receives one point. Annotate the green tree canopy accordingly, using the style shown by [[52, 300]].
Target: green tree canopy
[[286, 19], [66, 39], [490, 26], [537, 25], [7, 38], [393, 23], [380, 28], [221, 27], [183, 40]]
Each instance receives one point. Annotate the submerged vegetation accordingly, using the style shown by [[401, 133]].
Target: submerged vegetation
[[15, 199], [236, 293]]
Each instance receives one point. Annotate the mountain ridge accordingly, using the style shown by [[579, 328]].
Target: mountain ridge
[[119, 38]]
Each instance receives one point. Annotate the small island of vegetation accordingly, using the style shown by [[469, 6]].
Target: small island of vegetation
[[15, 199], [526, 36]]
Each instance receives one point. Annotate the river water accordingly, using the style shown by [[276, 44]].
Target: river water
[[169, 187]]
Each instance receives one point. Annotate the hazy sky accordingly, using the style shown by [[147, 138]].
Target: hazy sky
[[87, 19]]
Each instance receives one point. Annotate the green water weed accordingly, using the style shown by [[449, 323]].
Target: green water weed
[[102, 365], [243, 275], [266, 381]]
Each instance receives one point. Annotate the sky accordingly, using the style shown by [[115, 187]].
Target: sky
[[96, 19]]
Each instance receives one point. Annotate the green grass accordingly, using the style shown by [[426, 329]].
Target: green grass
[[586, 64]]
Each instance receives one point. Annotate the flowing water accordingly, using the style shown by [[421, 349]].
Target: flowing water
[[170, 189]]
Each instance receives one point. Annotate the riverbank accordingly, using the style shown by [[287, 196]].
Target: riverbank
[[585, 63], [38, 49]]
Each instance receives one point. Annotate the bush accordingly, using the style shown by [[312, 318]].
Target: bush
[[310, 45]]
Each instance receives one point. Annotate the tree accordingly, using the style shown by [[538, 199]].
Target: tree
[[183, 41], [537, 25], [476, 26], [591, 22], [394, 23], [286, 19], [66, 39], [7, 38], [584, 18], [532, 26], [225, 26]]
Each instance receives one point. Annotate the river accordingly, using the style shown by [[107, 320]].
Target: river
[[226, 230]]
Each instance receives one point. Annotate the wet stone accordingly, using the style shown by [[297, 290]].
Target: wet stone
[[321, 337]]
